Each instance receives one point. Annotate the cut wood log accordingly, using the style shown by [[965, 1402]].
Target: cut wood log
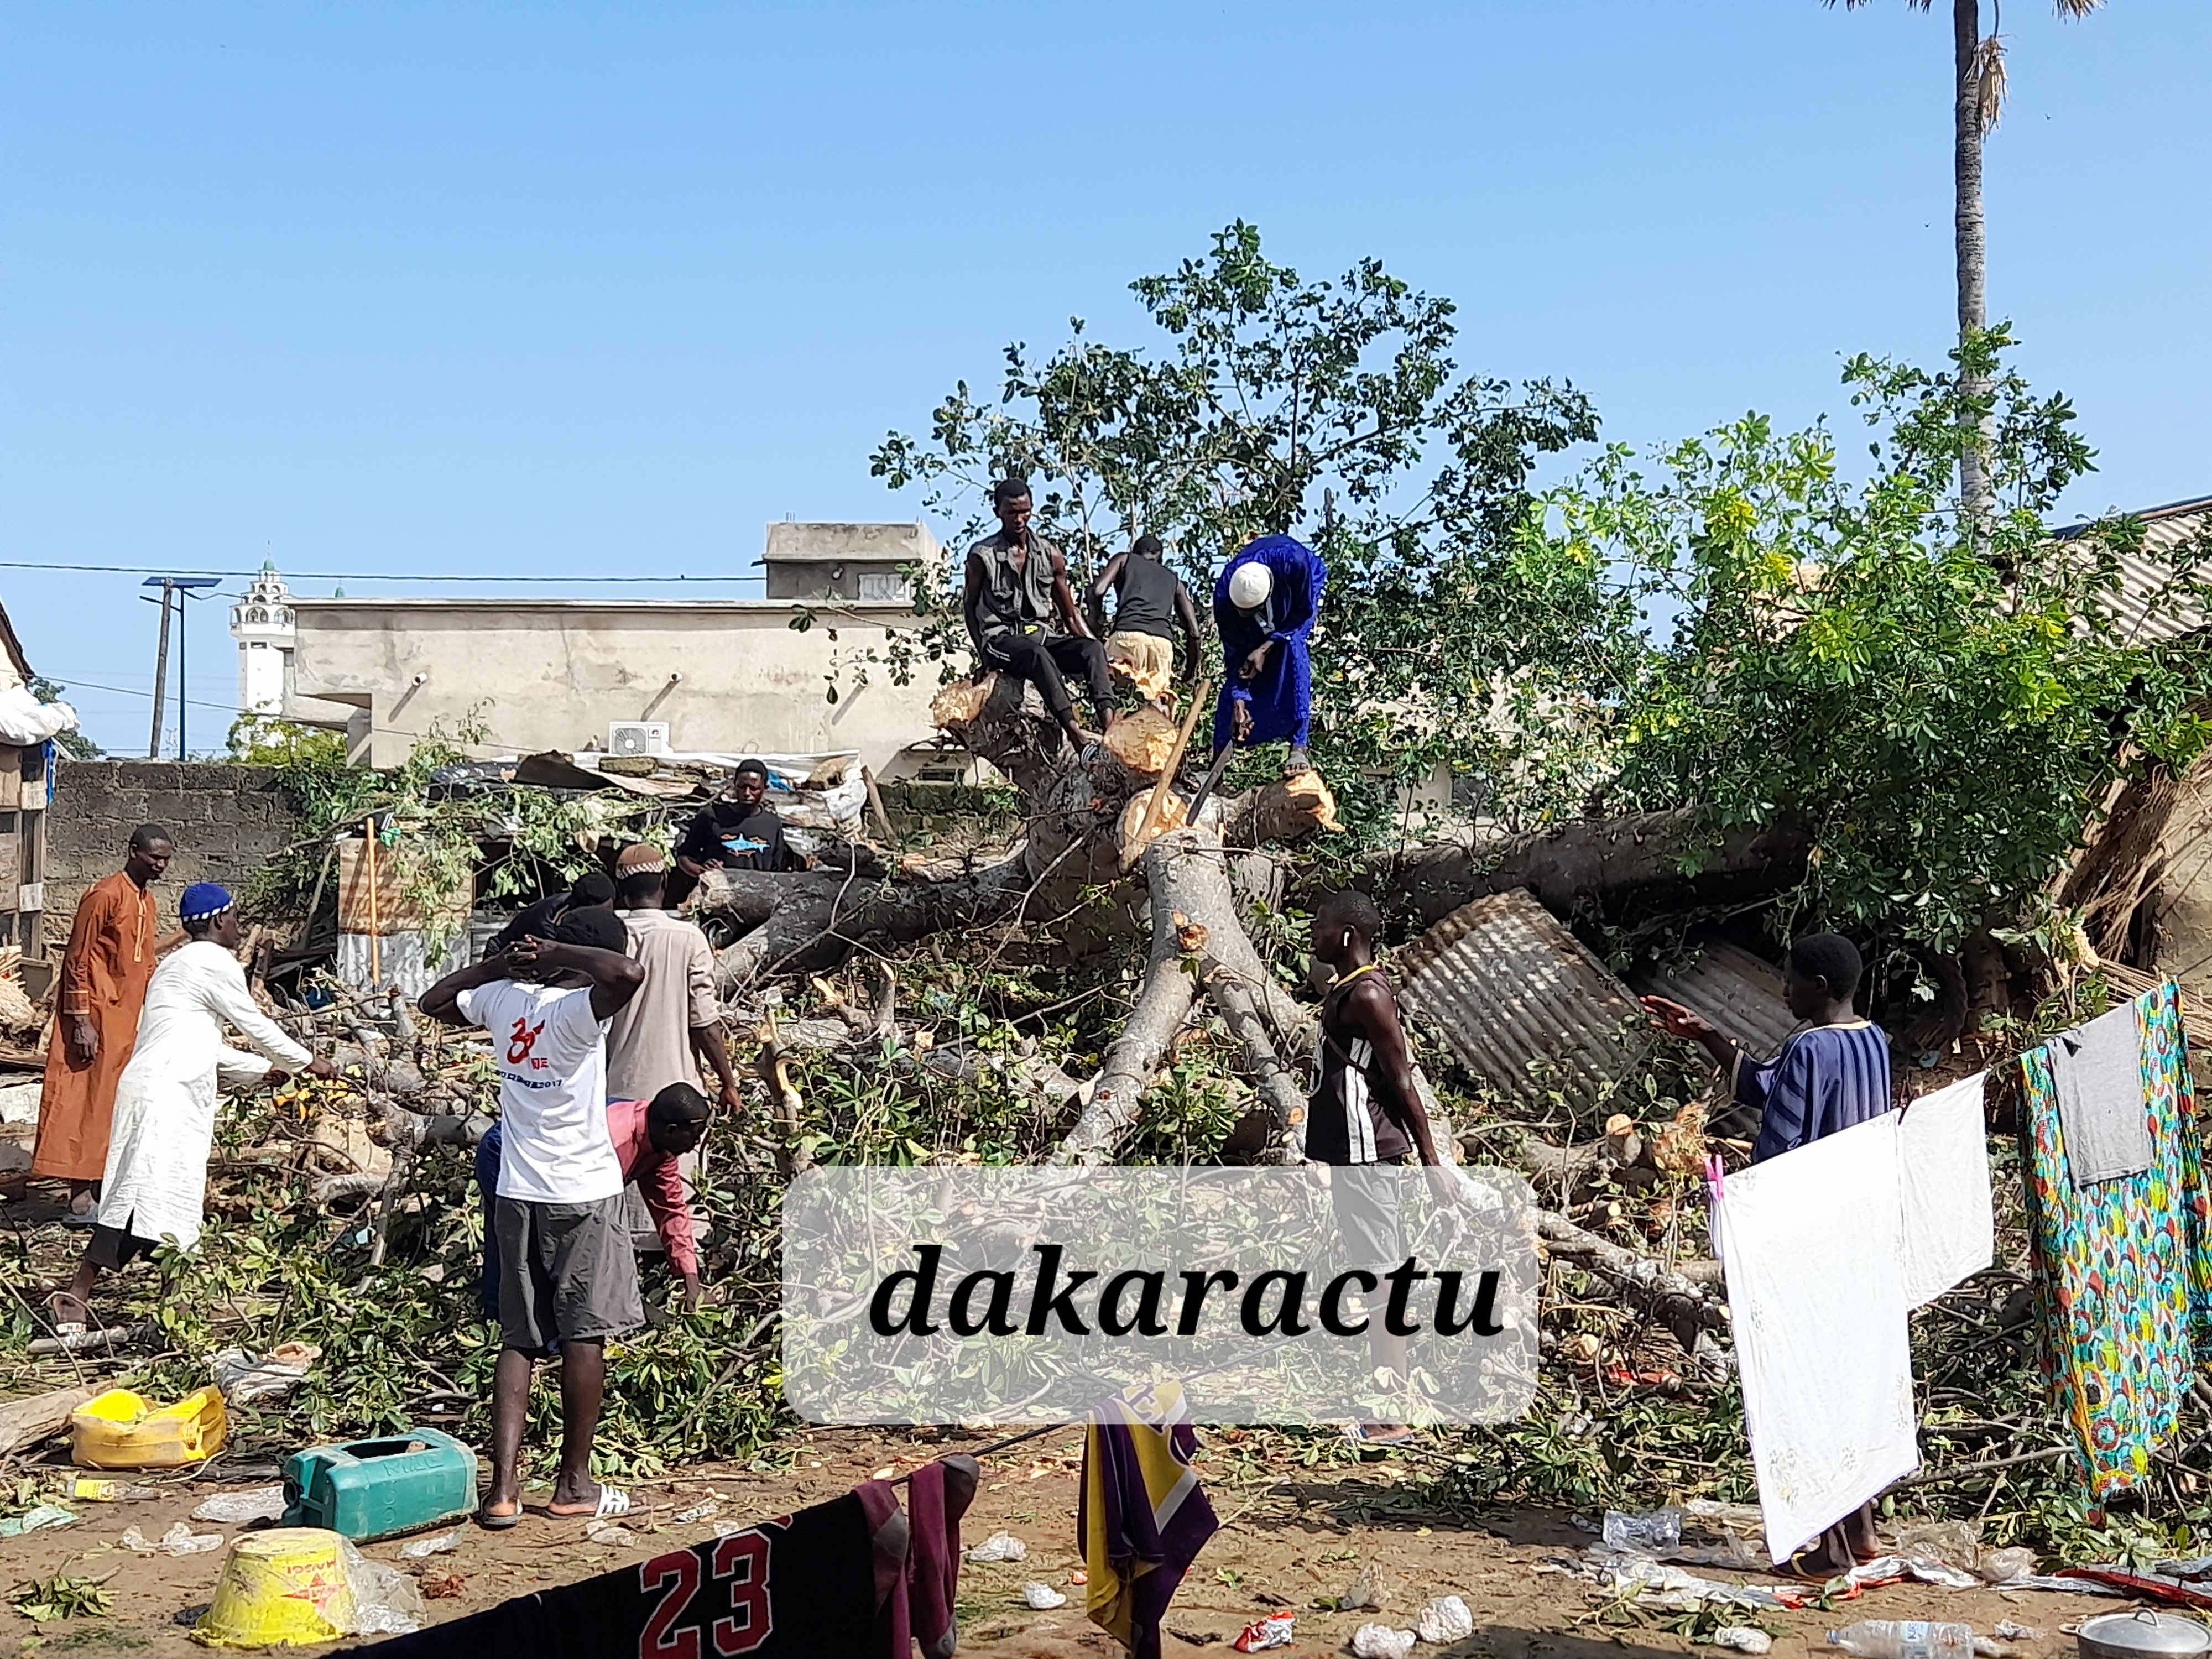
[[1145, 741], [1283, 811], [26, 1422], [1592, 859]]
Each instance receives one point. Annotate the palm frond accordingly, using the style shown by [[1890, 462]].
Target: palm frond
[[1989, 81], [2076, 7]]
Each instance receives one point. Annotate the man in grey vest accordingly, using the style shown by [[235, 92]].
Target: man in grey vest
[[1017, 588]]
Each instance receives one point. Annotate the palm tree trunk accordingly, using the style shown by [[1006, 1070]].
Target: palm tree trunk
[[1975, 500]]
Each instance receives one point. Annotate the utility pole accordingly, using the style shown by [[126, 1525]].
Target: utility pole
[[160, 664], [182, 587]]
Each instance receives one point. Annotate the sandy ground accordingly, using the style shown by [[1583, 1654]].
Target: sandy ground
[[1290, 1536]]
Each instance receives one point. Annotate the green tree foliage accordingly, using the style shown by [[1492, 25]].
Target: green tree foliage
[[1945, 718], [74, 744], [1260, 398]]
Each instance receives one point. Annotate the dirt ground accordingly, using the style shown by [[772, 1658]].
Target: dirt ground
[[1290, 1536]]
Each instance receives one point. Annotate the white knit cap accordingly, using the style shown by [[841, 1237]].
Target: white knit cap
[[1249, 584]]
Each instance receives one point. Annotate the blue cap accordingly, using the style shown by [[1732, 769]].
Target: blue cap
[[203, 899]]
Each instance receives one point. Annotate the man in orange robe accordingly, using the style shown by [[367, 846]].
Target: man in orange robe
[[112, 948]]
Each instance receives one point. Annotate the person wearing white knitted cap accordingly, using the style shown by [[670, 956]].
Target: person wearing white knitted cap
[[1264, 604]]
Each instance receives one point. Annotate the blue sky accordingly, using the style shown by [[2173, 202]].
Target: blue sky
[[561, 289]]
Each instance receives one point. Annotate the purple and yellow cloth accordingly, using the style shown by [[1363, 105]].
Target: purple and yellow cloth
[[1141, 1517]]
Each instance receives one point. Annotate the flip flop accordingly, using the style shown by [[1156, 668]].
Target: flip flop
[[80, 1217], [491, 1523], [1361, 1434], [613, 1501]]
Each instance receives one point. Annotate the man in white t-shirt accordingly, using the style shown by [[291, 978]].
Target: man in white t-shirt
[[566, 1272]]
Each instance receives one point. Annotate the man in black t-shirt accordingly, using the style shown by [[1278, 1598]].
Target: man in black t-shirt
[[1150, 602], [741, 831], [595, 890]]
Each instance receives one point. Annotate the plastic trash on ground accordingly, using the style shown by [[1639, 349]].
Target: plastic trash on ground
[[243, 1377], [235, 1509], [1654, 1533], [1743, 1638], [2001, 1566], [1954, 1543], [1277, 1630], [2008, 1631], [1446, 1619], [1380, 1642], [179, 1540], [999, 1547], [696, 1513], [609, 1535], [95, 1490], [444, 1544], [120, 1429], [1366, 1591], [1888, 1569], [303, 1585], [1043, 1598], [1904, 1638], [1670, 1589], [38, 1518]]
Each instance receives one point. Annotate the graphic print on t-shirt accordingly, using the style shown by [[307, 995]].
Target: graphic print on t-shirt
[[526, 1039], [552, 1092]]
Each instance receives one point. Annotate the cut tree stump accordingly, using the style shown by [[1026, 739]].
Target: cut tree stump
[[1145, 741]]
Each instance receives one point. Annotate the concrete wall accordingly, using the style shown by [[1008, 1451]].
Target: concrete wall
[[227, 821], [553, 674]]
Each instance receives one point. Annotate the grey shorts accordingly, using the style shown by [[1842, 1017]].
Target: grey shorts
[[1365, 1198], [566, 1273]]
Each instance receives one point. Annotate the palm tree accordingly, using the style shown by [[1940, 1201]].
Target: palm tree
[[1980, 66]]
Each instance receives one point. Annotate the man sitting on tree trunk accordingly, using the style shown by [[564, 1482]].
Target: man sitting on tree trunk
[[1017, 586]]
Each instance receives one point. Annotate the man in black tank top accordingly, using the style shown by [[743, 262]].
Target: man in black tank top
[[1016, 588], [1151, 601]]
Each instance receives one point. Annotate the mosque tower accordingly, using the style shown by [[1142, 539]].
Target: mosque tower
[[261, 623]]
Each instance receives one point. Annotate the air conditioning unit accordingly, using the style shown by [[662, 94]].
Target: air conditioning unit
[[637, 738]]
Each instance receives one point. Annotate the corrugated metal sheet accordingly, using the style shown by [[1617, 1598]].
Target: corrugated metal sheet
[[1732, 988], [2146, 576], [1525, 1007]]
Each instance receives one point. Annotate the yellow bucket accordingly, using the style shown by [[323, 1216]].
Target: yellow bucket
[[288, 1585], [120, 1429]]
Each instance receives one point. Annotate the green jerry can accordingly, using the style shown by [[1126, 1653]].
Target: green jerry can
[[375, 1488]]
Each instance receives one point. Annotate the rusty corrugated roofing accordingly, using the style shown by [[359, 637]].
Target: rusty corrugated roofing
[[1526, 1008], [1740, 995]]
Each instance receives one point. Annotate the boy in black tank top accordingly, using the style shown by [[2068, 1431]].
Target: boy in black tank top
[[1366, 1109], [1152, 602]]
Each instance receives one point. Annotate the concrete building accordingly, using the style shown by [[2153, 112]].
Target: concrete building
[[261, 623], [721, 675]]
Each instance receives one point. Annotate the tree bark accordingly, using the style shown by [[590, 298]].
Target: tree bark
[[26, 1422], [1574, 860], [1975, 500], [1686, 1309]]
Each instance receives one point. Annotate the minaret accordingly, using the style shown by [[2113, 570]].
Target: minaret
[[261, 623]]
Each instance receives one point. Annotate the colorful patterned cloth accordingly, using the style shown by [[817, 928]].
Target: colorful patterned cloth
[[2123, 1268]]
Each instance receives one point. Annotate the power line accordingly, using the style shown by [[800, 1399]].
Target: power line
[[352, 575]]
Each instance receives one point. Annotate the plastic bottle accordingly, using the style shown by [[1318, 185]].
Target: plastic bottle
[[1904, 1638]]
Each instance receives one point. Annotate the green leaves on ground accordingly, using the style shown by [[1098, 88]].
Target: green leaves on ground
[[65, 1596]]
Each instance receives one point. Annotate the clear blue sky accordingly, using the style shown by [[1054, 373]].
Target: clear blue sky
[[554, 288]]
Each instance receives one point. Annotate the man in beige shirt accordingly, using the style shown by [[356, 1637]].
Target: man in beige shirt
[[676, 1021]]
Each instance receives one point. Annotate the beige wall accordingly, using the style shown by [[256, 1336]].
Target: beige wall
[[552, 674]]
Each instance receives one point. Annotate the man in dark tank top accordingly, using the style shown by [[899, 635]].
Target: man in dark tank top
[[1016, 590], [1150, 602]]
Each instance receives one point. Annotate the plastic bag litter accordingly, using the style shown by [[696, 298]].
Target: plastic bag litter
[[1277, 1630], [38, 1518], [696, 1513], [1954, 1543], [179, 1540], [1743, 1638], [2002, 1566], [243, 1377], [2007, 1631], [1043, 1598], [1670, 1590], [385, 1600], [1366, 1592], [1887, 1569], [1655, 1533], [1380, 1642], [1446, 1619], [999, 1547], [443, 1543], [612, 1536], [235, 1509]]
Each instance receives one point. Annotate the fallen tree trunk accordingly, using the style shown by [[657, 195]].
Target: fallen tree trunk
[[1686, 1310], [1571, 862]]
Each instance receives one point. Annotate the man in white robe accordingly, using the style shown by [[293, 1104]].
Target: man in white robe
[[155, 1182]]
